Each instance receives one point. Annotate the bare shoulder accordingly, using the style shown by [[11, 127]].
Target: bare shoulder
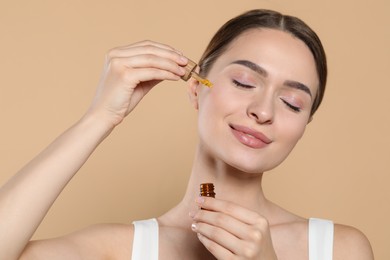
[[351, 243], [100, 241]]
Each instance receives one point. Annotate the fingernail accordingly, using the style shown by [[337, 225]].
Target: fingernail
[[193, 227], [183, 59]]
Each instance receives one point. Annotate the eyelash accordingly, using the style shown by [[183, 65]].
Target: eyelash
[[239, 84], [292, 107]]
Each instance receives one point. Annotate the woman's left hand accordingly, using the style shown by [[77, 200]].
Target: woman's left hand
[[230, 231]]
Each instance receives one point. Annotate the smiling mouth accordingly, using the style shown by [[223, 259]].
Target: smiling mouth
[[250, 137]]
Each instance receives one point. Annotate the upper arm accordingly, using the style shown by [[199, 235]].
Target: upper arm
[[350, 243], [103, 241]]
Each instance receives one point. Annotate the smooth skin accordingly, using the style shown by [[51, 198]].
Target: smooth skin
[[240, 223]]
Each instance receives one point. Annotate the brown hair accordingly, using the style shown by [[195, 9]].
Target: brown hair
[[261, 18]]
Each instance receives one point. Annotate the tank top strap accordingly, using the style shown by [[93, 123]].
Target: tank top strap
[[145, 241], [320, 239]]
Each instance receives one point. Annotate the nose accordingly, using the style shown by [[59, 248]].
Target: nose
[[261, 110]]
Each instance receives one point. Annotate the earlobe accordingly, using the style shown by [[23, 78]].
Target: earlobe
[[193, 92]]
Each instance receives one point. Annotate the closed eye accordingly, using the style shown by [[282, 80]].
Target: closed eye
[[241, 85], [292, 107]]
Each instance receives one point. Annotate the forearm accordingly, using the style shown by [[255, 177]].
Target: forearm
[[26, 198], [128, 75]]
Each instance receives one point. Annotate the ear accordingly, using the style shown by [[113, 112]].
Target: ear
[[193, 92]]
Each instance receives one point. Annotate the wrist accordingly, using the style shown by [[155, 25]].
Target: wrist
[[96, 123]]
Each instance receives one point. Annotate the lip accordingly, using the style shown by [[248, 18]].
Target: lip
[[250, 137]]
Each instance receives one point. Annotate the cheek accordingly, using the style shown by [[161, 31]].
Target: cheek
[[293, 130], [215, 105], [218, 100]]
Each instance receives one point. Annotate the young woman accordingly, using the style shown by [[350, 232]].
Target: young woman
[[268, 73]]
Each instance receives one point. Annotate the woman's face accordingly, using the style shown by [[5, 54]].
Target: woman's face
[[263, 89]]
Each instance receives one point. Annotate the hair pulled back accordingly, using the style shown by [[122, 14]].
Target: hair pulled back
[[261, 18]]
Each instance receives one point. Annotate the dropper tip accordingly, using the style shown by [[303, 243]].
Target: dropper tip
[[205, 82]]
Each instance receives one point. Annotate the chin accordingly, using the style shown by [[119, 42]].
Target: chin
[[253, 166]]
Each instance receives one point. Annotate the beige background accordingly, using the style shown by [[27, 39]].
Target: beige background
[[51, 56]]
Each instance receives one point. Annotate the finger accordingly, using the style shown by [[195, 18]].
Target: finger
[[137, 76], [149, 49], [214, 248], [243, 214], [147, 61], [152, 43], [220, 236], [230, 224]]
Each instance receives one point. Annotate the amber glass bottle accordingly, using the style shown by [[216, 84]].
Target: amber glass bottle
[[207, 190]]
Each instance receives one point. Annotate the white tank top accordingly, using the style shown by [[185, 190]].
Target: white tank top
[[145, 241]]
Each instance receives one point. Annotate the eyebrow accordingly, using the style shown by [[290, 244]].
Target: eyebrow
[[253, 66], [298, 85], [258, 69]]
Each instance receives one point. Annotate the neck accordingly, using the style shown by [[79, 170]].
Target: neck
[[230, 184]]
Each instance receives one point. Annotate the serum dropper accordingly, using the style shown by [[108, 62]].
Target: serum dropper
[[190, 72]]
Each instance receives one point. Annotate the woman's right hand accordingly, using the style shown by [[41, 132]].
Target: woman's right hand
[[129, 73]]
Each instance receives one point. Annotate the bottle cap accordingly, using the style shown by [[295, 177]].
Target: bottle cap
[[190, 67]]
